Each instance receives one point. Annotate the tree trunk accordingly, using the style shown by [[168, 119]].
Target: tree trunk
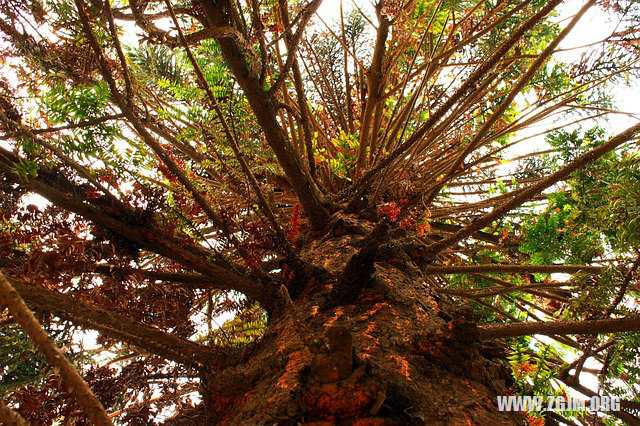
[[393, 355]]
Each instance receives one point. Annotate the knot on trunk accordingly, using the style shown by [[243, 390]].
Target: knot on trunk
[[359, 270], [336, 361], [453, 343], [298, 275], [334, 389]]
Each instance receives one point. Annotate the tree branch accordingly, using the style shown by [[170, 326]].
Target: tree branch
[[506, 103], [148, 237], [622, 415], [92, 407], [265, 109], [148, 139], [293, 41], [552, 328], [375, 82], [623, 288], [292, 63], [467, 86], [204, 85], [123, 328], [10, 417], [527, 193], [87, 123], [513, 269]]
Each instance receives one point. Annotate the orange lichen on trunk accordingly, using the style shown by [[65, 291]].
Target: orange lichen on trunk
[[391, 357]]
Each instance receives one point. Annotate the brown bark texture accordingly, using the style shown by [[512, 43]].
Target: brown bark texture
[[394, 355]]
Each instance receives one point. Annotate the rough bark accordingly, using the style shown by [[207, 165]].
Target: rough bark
[[395, 355]]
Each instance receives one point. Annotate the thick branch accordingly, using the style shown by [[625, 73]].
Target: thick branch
[[122, 327], [375, 84], [92, 407], [527, 193], [10, 417], [512, 269], [192, 281], [148, 237], [552, 328], [265, 109]]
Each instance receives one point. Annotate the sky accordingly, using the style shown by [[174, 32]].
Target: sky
[[594, 26]]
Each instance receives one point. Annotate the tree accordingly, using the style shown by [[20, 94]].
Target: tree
[[272, 219]]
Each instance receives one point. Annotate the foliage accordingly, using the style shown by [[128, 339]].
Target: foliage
[[186, 181]]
